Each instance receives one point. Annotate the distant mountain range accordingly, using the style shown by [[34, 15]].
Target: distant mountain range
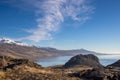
[[18, 49]]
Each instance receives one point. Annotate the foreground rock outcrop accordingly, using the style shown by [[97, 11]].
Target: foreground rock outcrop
[[98, 74], [10, 63], [83, 60]]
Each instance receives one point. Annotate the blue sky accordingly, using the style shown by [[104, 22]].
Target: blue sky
[[69, 24]]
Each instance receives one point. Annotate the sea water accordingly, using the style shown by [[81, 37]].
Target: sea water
[[104, 60]]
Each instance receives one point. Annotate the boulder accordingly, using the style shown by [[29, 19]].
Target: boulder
[[83, 60]]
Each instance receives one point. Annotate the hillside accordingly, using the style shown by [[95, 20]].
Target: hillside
[[32, 53], [17, 49]]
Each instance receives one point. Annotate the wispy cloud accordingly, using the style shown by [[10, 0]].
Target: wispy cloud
[[51, 13]]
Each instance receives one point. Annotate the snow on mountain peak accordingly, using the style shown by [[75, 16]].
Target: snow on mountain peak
[[10, 41]]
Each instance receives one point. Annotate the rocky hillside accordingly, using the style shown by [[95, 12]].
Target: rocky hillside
[[83, 60], [23, 69]]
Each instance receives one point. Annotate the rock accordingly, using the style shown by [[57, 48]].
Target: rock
[[102, 74], [83, 60], [95, 74], [116, 64], [7, 62]]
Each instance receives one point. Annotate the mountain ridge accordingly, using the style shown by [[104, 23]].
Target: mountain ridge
[[13, 49]]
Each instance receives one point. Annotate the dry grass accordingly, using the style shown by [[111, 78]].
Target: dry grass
[[2, 74], [35, 70]]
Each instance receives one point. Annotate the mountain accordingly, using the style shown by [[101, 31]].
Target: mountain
[[17, 49], [10, 41], [29, 52], [80, 51]]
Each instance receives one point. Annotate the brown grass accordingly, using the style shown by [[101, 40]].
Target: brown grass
[[2, 74]]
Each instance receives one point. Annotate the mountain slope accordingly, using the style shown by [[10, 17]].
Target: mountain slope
[[18, 49]]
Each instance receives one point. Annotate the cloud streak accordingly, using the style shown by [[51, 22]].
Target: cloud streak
[[51, 13]]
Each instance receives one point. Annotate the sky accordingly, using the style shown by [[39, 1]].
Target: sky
[[63, 24]]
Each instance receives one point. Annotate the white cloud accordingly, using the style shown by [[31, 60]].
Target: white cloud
[[51, 13]]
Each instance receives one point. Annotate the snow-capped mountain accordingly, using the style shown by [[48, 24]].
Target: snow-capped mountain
[[10, 41]]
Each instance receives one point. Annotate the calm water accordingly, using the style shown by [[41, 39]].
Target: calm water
[[104, 60]]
